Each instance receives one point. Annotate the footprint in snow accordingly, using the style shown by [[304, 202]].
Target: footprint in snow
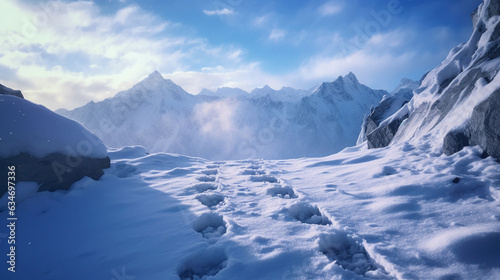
[[348, 253], [203, 187], [206, 179], [210, 200], [283, 192], [309, 214], [210, 225], [252, 172], [203, 264], [210, 172], [254, 167], [263, 178]]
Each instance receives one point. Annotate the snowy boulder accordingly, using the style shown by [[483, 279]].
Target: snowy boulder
[[484, 126], [455, 141], [45, 147], [8, 91]]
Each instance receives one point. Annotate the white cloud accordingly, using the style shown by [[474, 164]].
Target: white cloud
[[329, 8], [66, 54], [277, 34], [263, 20], [221, 12]]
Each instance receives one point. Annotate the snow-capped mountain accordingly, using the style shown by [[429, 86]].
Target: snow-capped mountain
[[230, 123], [458, 102], [404, 211]]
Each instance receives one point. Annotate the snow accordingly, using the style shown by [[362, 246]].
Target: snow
[[391, 213], [231, 124], [463, 62], [33, 129]]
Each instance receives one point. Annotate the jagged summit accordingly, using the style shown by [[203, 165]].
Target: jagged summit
[[351, 78], [347, 88]]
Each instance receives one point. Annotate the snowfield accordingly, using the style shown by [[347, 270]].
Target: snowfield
[[400, 212]]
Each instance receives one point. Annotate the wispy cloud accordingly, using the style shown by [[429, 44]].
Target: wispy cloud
[[221, 12], [66, 54], [329, 8], [277, 34]]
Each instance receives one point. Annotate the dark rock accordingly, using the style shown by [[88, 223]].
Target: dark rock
[[8, 91], [456, 180], [53, 172], [454, 142], [383, 135], [484, 125], [493, 8]]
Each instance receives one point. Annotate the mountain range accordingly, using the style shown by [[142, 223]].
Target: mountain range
[[230, 123]]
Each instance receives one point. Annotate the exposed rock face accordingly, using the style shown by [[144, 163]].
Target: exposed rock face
[[390, 104], [455, 141], [8, 91], [458, 103], [484, 126], [53, 172], [383, 135]]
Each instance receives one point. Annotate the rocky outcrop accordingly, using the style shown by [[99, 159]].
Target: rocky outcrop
[[383, 135], [53, 172], [457, 104], [484, 125], [45, 147], [483, 129], [8, 91]]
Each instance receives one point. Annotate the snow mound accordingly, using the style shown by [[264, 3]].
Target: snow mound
[[36, 130]]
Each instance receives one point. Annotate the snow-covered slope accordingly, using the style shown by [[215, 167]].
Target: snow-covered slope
[[229, 123], [33, 129], [400, 212], [458, 102]]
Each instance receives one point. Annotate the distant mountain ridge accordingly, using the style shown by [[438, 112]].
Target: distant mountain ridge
[[231, 123]]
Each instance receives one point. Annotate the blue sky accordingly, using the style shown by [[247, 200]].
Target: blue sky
[[66, 53]]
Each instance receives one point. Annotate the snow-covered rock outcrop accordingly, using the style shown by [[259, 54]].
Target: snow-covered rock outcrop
[[389, 105], [231, 123], [457, 103], [45, 147], [8, 91]]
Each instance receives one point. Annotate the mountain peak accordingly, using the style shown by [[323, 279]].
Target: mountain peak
[[154, 77], [351, 77]]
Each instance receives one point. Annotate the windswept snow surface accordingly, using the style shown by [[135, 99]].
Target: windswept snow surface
[[400, 212]]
